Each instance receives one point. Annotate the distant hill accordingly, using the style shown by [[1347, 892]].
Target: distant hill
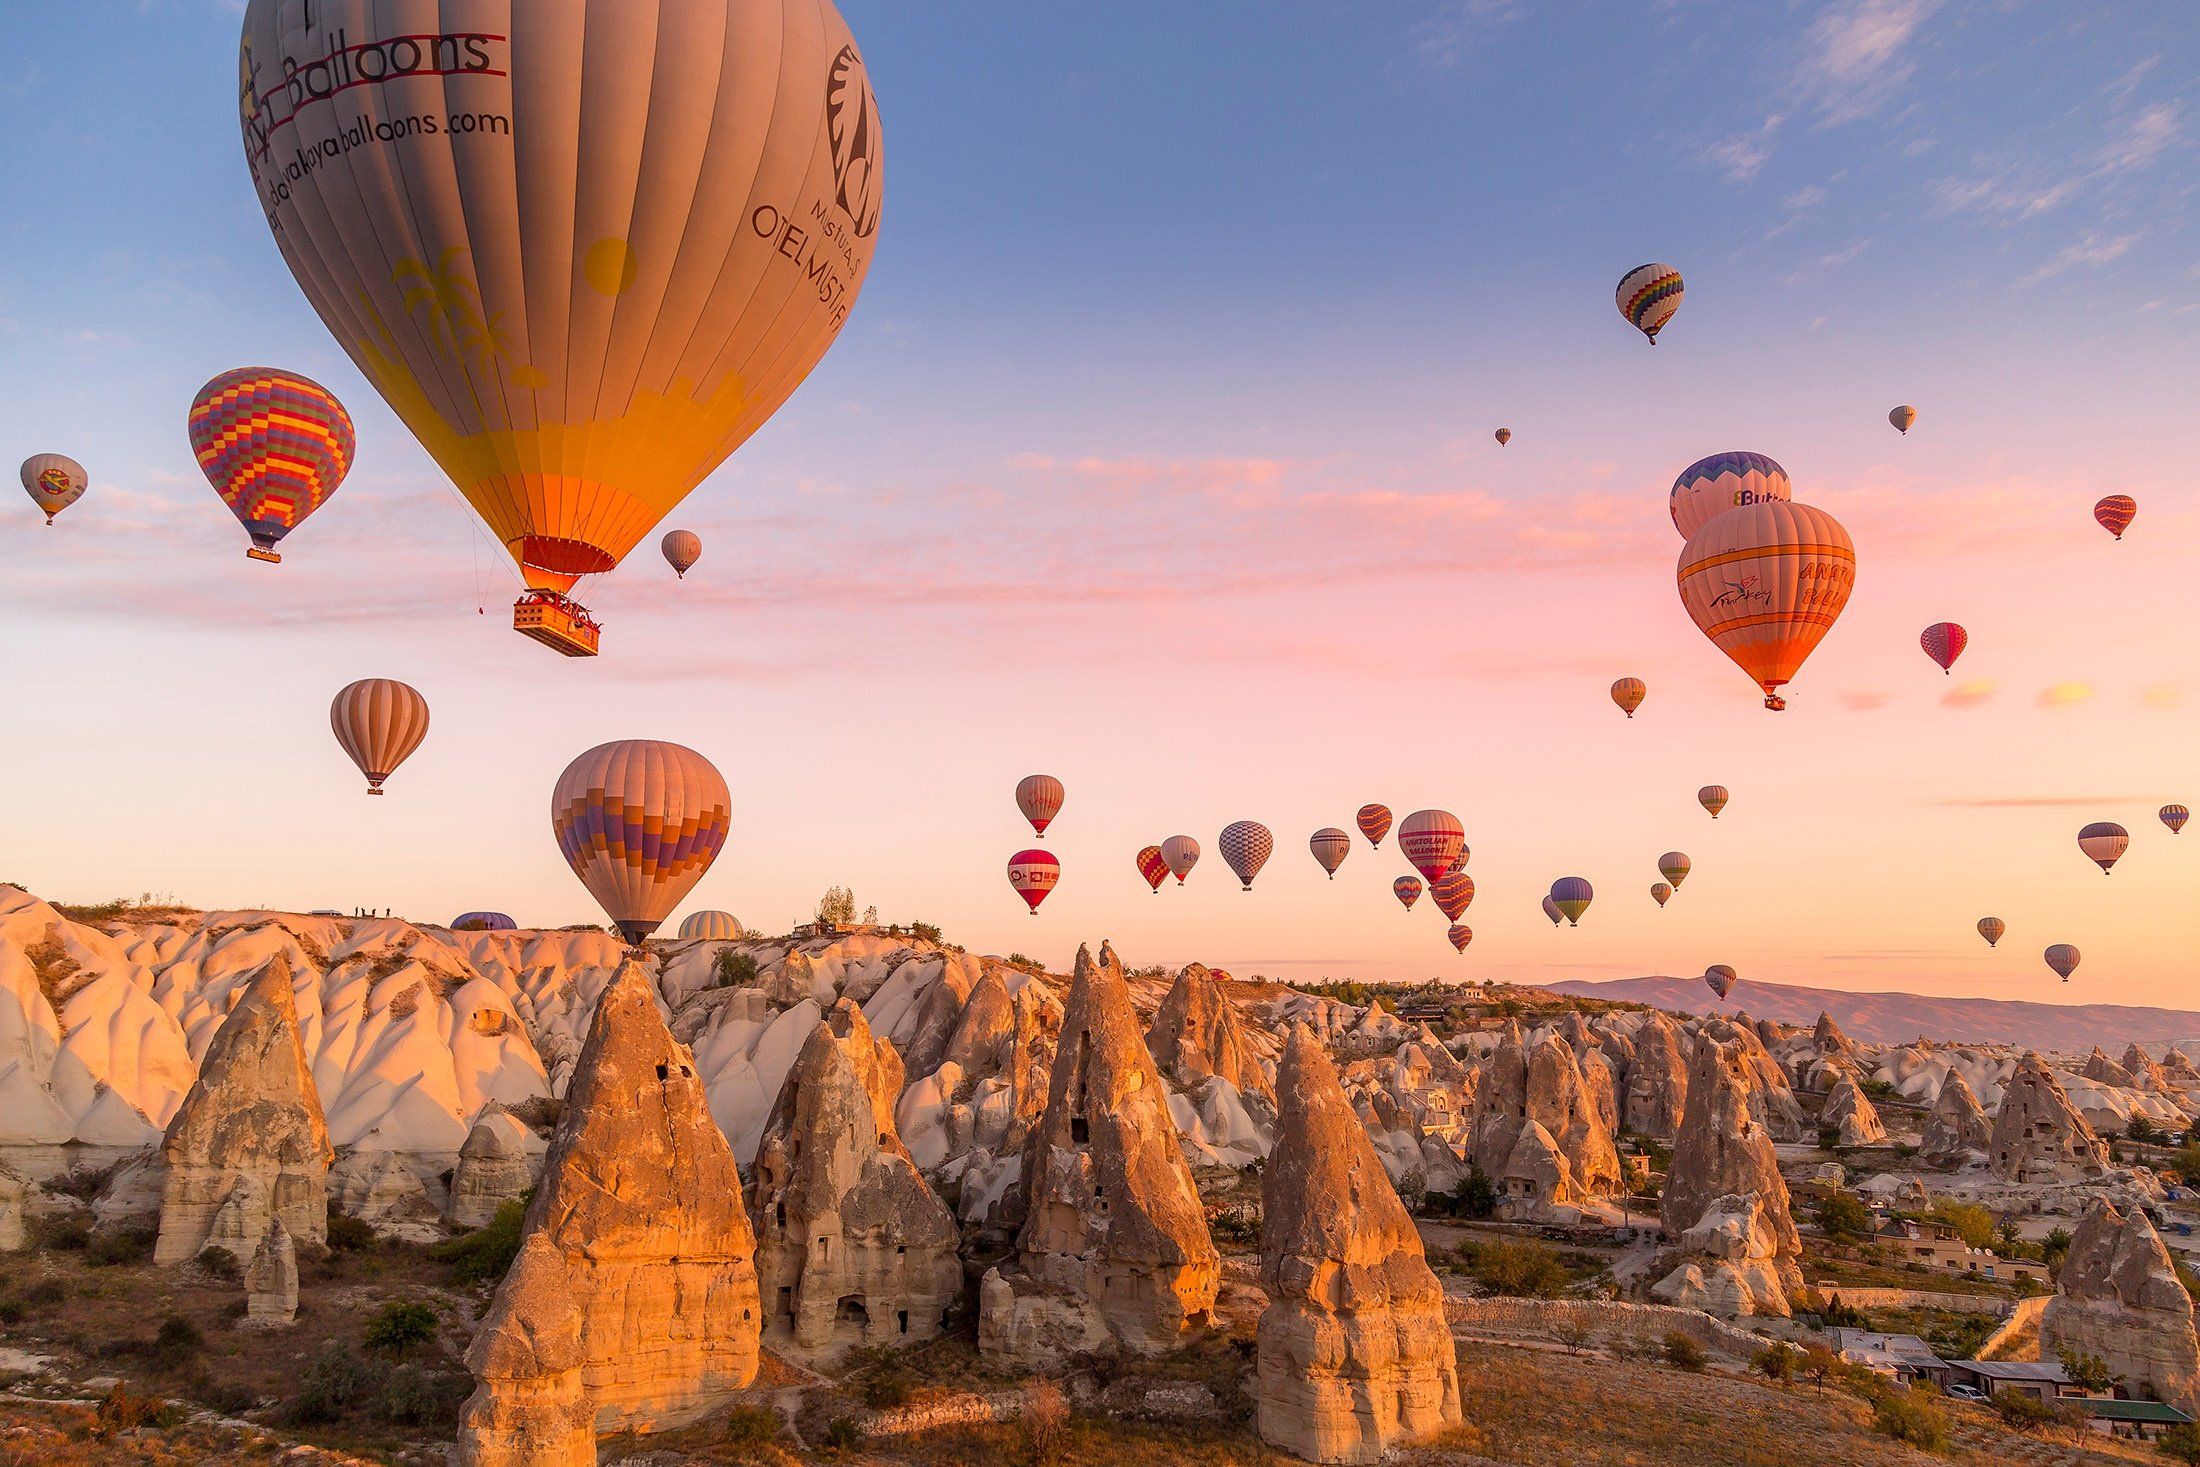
[[1898, 1018]]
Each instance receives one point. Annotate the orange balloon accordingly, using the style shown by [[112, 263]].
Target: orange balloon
[[1765, 582]]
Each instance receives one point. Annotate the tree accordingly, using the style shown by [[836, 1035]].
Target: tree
[[1777, 1362], [2141, 1129], [1974, 1224], [1819, 1365], [1572, 1331], [1843, 1216], [2181, 1444], [2023, 1411], [1683, 1353], [1475, 1197], [2089, 1372], [837, 906]]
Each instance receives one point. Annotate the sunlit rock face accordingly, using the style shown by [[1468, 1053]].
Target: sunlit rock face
[[2122, 1301], [2039, 1136], [1725, 1205], [528, 1408]]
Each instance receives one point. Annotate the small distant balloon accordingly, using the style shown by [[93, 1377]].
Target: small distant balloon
[[2175, 816], [1039, 796], [1154, 867], [1460, 934], [1647, 296], [1944, 642], [1573, 895], [1453, 893], [2116, 513], [1991, 928], [1504, 436], [682, 549], [1628, 693], [1902, 417], [2063, 958], [1674, 867], [1550, 910], [1720, 979], [1374, 823], [1660, 892], [1433, 841], [1330, 846], [1407, 889], [1182, 854], [1033, 874], [1712, 797], [1710, 487], [378, 721], [1246, 846], [54, 481], [2104, 842], [483, 922]]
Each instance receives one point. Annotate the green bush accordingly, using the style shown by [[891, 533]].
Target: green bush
[[483, 1255], [1915, 1416], [346, 1234], [402, 1327], [1683, 1353], [219, 1263], [64, 1232], [734, 969], [1777, 1362], [748, 1426], [177, 1342], [2023, 1411], [2180, 1444], [1843, 1216], [1528, 1270], [1974, 1224], [337, 1383], [120, 1245]]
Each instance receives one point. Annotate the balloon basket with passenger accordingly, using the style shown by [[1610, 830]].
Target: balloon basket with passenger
[[557, 621]]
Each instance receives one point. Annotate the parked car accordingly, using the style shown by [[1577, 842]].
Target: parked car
[[1966, 1392]]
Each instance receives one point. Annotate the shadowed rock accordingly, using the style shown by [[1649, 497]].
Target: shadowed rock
[[2122, 1301], [1725, 1205], [528, 1408], [2039, 1136]]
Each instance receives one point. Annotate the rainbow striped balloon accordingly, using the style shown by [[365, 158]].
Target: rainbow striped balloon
[[640, 821], [1648, 295], [274, 445], [1453, 892]]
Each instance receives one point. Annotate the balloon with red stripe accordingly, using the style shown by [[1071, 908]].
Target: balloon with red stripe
[[1039, 797], [1453, 893], [1944, 642], [1407, 889], [2116, 512], [1330, 846], [2104, 843], [1182, 854], [1460, 934], [1374, 823], [1154, 867], [1433, 841], [1033, 874]]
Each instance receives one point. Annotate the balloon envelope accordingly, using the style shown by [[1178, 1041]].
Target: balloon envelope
[[1330, 846], [1720, 978], [1713, 797], [1710, 487], [1453, 893], [1660, 892], [1902, 417], [2103, 842], [54, 481], [1504, 436], [1182, 854], [1674, 867], [1407, 889], [1039, 796], [1628, 693], [2175, 816], [712, 926], [1153, 867], [640, 821], [1550, 910], [1033, 874], [1433, 841], [2116, 512], [2063, 958], [483, 922], [1765, 583], [1374, 823], [274, 445], [682, 548], [1572, 896], [1246, 846], [1460, 934], [379, 722], [1944, 642], [1991, 928], [1647, 296]]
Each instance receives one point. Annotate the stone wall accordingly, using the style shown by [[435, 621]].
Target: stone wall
[[2024, 1315], [1640, 1324], [1875, 1298]]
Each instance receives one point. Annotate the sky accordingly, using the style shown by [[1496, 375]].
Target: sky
[[1156, 455]]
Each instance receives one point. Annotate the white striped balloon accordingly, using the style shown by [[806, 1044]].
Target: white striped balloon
[[379, 722], [1330, 846]]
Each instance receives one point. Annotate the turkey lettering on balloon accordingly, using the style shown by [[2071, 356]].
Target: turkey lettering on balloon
[[1710, 487], [1765, 583], [635, 232]]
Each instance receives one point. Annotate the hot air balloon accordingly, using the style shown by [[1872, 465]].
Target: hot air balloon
[[1033, 874], [712, 926], [1407, 889], [1944, 642], [2103, 842], [1710, 487], [1453, 893], [1628, 693], [274, 445], [1504, 436], [1330, 846], [1246, 846], [682, 549], [1433, 841], [1460, 934], [1720, 979], [1374, 823], [2116, 513], [1712, 797], [483, 922], [639, 822], [1765, 583], [379, 721], [1660, 892], [1991, 928], [583, 251], [1182, 854], [1648, 295], [1572, 896], [1153, 866], [54, 481], [1902, 417], [1674, 867], [1039, 796], [2063, 958], [2175, 816], [1550, 910]]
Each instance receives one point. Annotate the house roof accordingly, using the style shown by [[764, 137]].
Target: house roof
[[2147, 1411], [1869, 1344], [2048, 1371]]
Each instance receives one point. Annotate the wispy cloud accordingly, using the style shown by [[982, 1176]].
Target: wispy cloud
[[2093, 250], [1447, 37], [1969, 694], [1742, 156], [1860, 55], [2065, 695]]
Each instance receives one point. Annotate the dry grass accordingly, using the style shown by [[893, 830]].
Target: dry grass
[[61, 1434]]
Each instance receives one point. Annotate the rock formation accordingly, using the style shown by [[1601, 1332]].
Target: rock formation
[[1197, 1035], [384, 1193], [271, 1281], [1355, 1356], [1850, 1111], [2039, 1136], [1537, 1134], [1725, 1205], [1827, 1038], [499, 1162], [1114, 1244], [2100, 1067], [1771, 1098], [528, 1408], [853, 1247], [1657, 1079], [1956, 1129], [13, 1189], [249, 1136], [641, 1198], [2121, 1300]]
